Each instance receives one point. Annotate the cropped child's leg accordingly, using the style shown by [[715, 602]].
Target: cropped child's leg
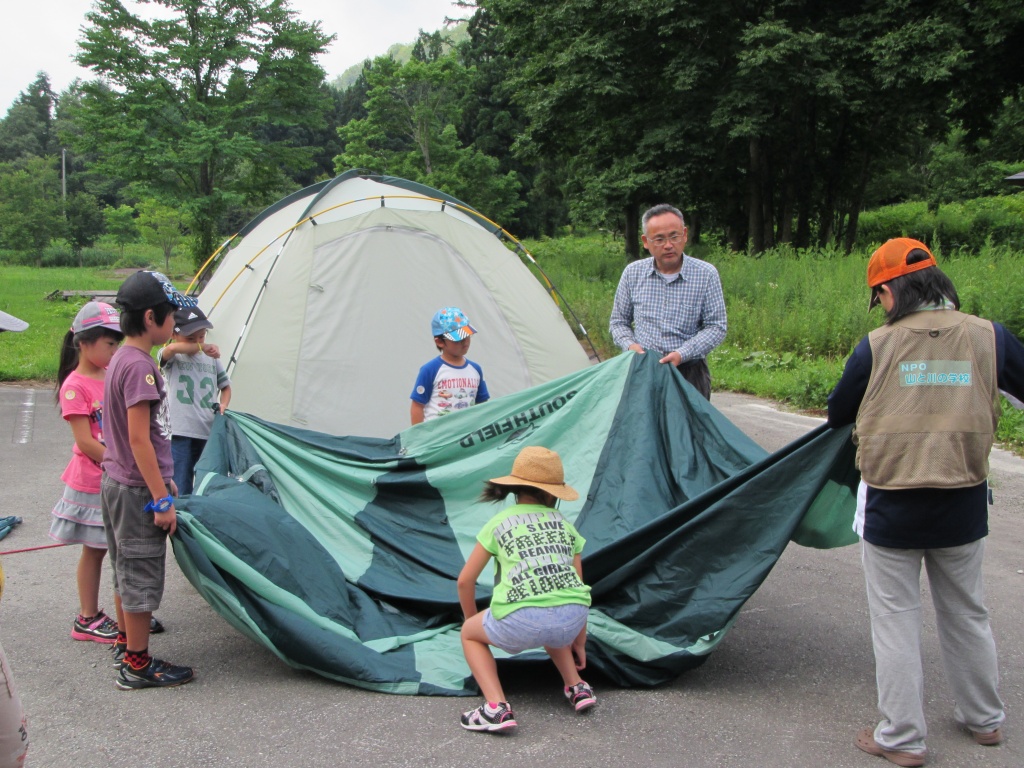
[[477, 648], [120, 646], [137, 555], [136, 627], [119, 610], [91, 624], [565, 663], [181, 452], [494, 715], [198, 444], [577, 692], [108, 495], [90, 566], [142, 590], [569, 660]]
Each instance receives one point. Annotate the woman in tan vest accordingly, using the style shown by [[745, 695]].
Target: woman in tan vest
[[923, 391]]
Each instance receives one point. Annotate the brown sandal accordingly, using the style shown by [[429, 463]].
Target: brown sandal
[[865, 741], [990, 739]]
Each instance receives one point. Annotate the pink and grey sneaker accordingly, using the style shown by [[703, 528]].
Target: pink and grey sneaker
[[580, 696], [100, 628], [488, 718]]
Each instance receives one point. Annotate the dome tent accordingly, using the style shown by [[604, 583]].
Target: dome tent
[[322, 304], [341, 555]]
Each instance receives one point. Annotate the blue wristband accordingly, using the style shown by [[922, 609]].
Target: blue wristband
[[161, 505]]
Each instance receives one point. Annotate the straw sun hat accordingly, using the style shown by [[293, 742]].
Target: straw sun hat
[[539, 468]]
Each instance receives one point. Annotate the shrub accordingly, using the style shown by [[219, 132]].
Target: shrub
[[135, 261], [59, 254], [585, 271], [967, 226], [15, 258], [1010, 432], [593, 257], [813, 384]]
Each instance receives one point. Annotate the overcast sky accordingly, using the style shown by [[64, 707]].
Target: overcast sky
[[42, 35]]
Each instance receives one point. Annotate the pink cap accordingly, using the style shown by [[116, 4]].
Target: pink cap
[[97, 314]]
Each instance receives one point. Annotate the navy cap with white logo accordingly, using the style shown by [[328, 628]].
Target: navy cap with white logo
[[189, 320]]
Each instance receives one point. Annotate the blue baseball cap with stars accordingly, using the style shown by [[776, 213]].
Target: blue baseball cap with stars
[[452, 324]]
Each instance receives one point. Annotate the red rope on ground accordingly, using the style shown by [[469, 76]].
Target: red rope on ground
[[31, 549]]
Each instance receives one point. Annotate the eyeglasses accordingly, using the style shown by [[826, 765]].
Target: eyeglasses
[[660, 240]]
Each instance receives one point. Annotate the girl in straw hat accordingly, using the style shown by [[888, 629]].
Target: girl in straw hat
[[540, 599]]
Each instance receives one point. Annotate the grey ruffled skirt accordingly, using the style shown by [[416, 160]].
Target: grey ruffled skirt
[[78, 519]]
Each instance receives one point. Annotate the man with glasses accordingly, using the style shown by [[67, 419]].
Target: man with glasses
[[670, 303]]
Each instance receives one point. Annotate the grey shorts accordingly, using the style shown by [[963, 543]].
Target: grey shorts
[[137, 546], [529, 628]]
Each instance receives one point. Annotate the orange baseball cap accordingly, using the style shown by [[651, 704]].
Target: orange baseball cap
[[890, 261]]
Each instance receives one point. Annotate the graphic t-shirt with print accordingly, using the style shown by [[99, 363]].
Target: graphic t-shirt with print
[[444, 389], [194, 383], [82, 396], [534, 547], [133, 378]]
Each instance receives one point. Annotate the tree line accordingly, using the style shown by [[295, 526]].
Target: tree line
[[766, 122]]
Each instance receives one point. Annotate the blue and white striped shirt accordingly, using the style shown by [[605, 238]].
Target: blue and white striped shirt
[[684, 313]]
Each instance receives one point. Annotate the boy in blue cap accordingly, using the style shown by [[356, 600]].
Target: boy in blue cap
[[450, 382]]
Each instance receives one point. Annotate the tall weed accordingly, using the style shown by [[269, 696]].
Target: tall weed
[[812, 303], [990, 285]]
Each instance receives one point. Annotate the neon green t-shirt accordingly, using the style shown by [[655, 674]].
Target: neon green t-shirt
[[534, 547]]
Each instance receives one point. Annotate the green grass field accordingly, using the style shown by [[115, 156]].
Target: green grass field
[[33, 354]]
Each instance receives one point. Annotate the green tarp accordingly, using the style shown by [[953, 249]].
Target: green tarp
[[340, 554]]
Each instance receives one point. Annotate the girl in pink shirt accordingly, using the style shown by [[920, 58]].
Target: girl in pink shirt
[[94, 337]]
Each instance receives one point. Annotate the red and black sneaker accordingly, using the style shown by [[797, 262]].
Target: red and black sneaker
[[156, 674]]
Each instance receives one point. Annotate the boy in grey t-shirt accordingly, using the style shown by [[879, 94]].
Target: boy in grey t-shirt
[[195, 381]]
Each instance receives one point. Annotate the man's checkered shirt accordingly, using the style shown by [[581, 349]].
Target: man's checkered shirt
[[685, 314]]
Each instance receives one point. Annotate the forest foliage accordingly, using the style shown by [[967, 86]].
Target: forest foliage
[[799, 124]]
